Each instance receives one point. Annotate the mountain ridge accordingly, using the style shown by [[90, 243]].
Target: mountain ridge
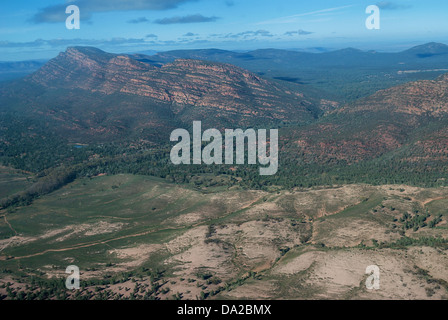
[[89, 97], [88, 91], [388, 123]]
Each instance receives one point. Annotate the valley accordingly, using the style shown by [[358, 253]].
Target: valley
[[137, 236]]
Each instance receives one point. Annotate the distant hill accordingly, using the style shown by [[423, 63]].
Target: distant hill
[[347, 74], [10, 70], [300, 59], [428, 50], [406, 123]]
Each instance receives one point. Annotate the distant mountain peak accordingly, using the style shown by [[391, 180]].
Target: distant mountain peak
[[429, 48], [89, 52], [85, 50], [84, 67], [347, 51]]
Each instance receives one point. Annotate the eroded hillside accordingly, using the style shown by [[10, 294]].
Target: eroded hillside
[[141, 236]]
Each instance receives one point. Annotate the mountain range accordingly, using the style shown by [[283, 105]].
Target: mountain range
[[90, 97], [86, 92], [345, 75]]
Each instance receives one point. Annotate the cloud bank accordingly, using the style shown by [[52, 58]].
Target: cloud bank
[[56, 13]]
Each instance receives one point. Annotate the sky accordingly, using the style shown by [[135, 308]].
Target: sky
[[32, 29]]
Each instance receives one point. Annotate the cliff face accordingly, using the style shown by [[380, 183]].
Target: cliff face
[[87, 94], [220, 88], [89, 69]]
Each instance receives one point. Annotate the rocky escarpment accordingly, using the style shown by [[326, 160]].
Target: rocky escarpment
[[407, 121], [421, 98], [217, 87]]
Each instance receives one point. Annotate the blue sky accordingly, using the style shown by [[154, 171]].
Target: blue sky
[[32, 29]]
